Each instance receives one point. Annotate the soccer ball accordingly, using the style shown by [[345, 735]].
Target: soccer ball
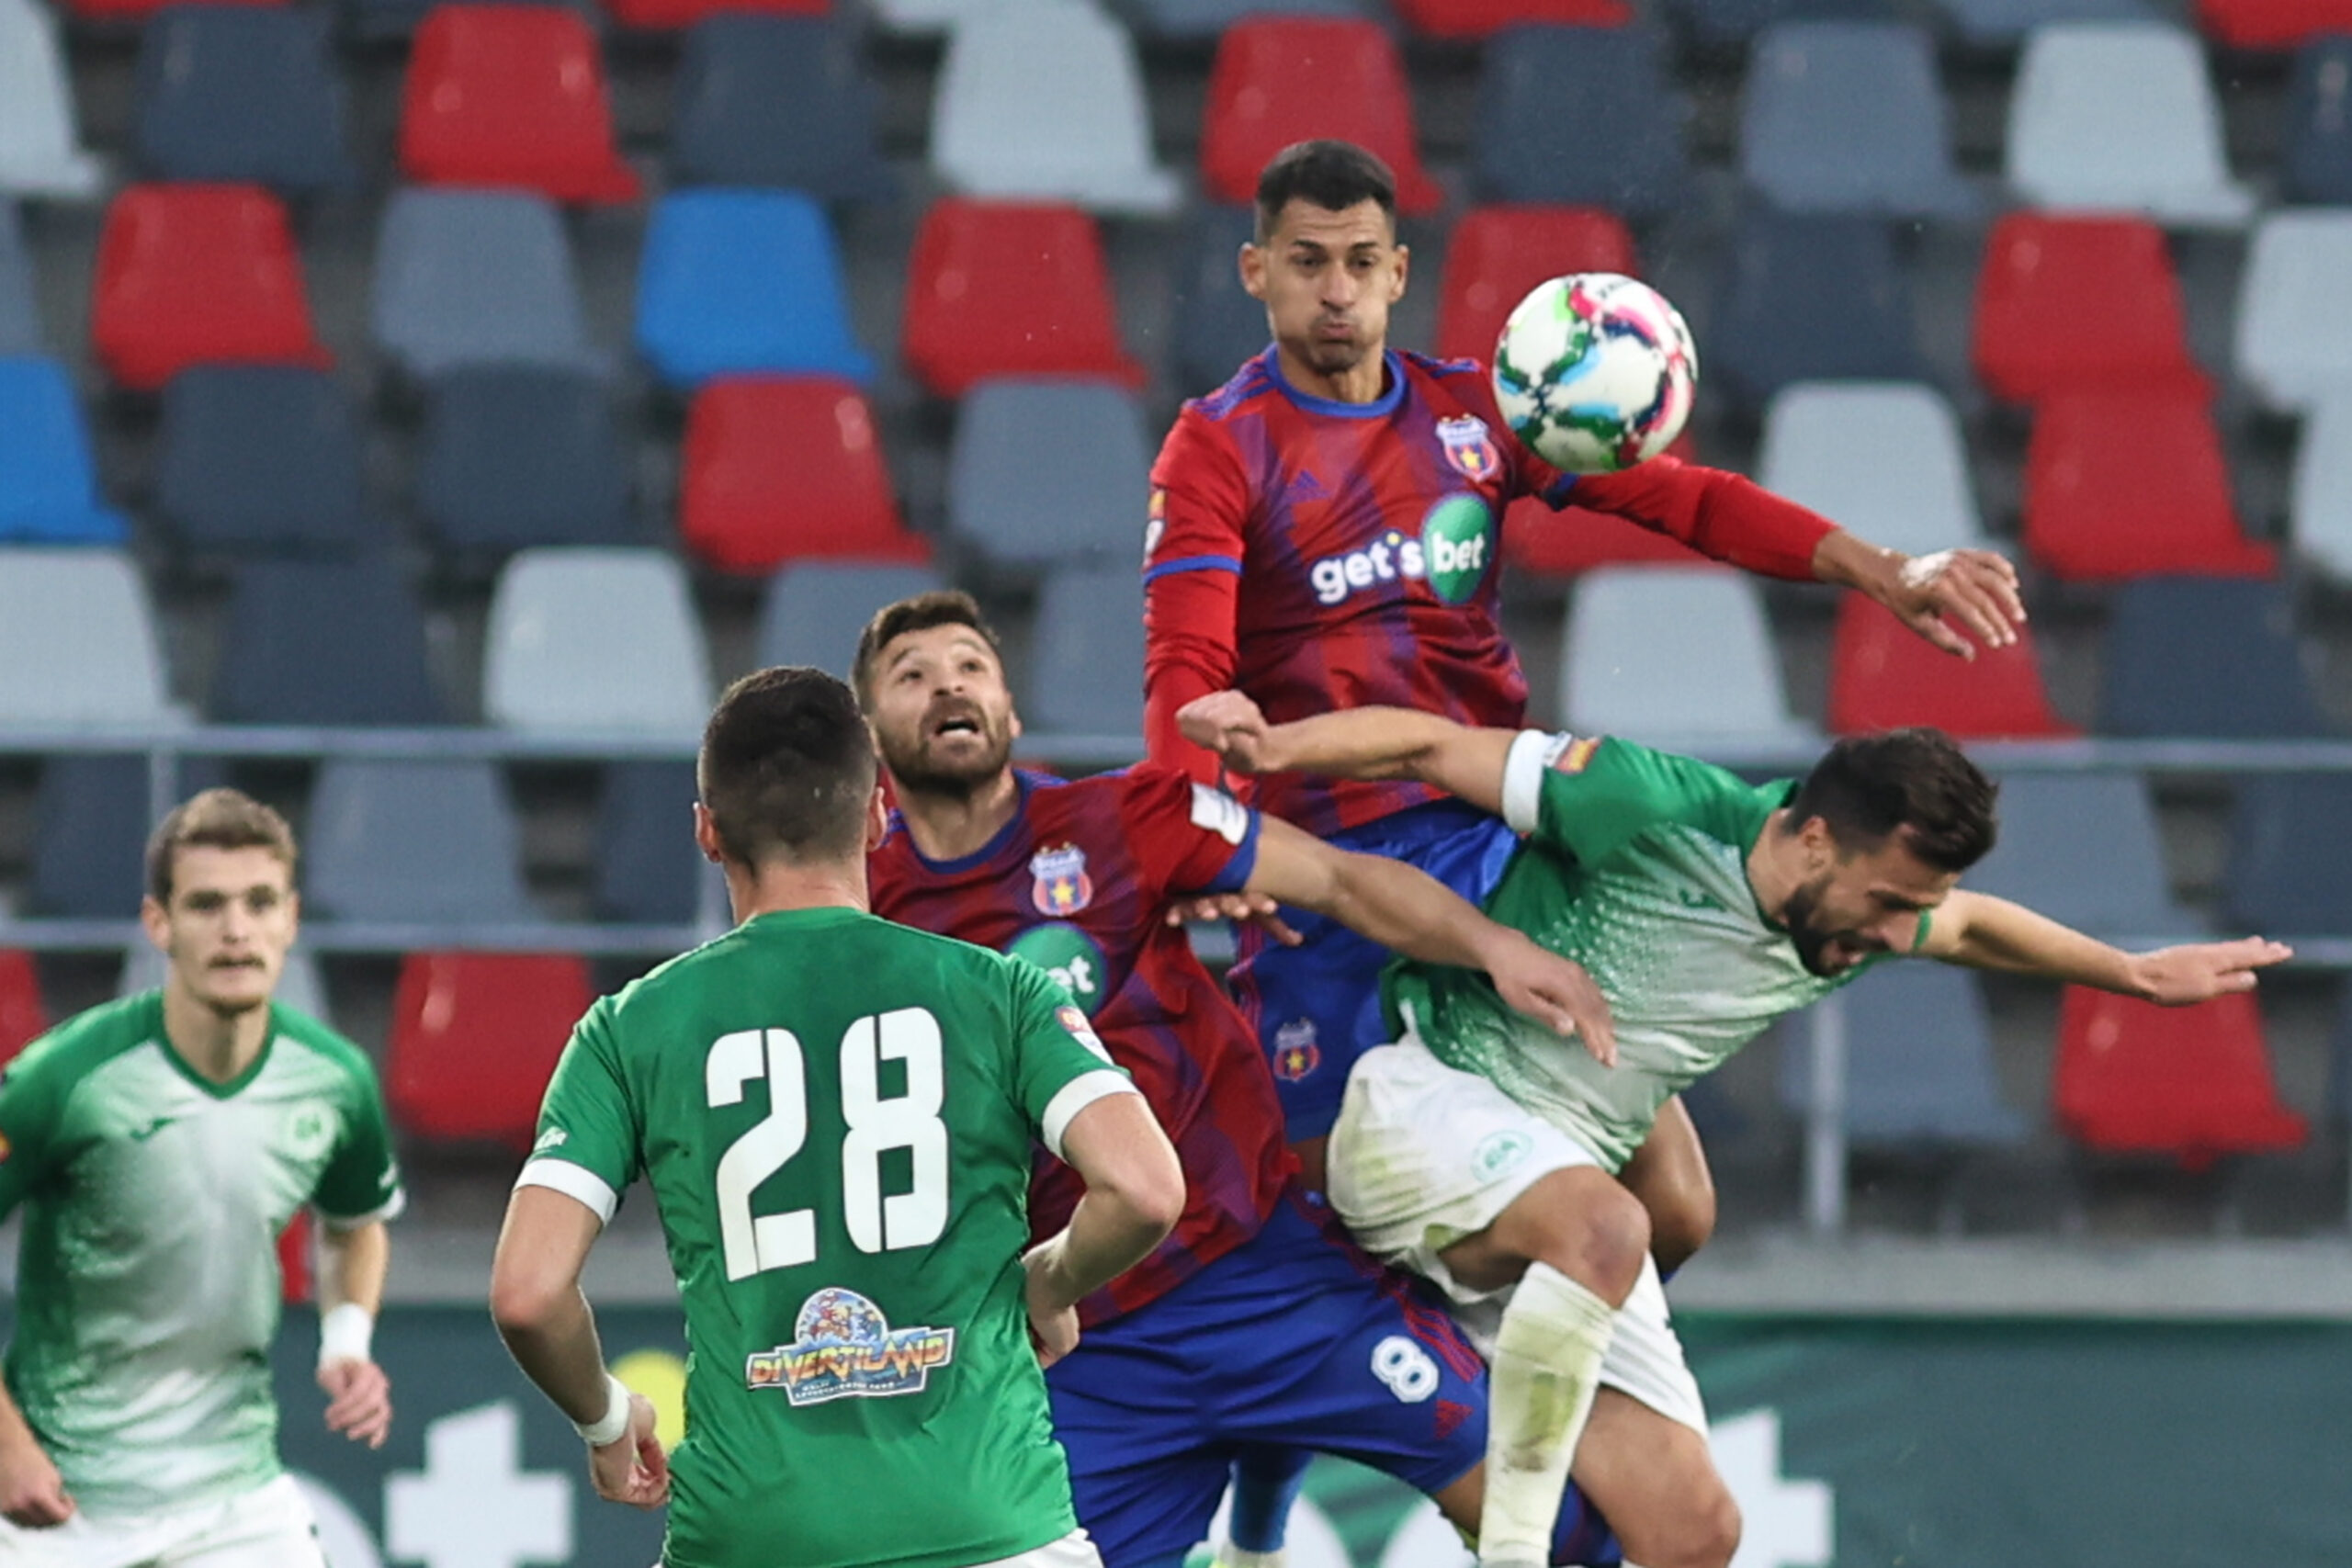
[[1594, 372]]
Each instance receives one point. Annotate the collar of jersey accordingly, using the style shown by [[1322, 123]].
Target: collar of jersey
[[1025, 779], [187, 1070], [1380, 407]]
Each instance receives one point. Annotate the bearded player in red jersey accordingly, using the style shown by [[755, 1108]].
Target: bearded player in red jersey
[[1324, 534], [1255, 1322]]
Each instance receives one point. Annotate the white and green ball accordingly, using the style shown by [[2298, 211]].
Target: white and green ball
[[1594, 372]]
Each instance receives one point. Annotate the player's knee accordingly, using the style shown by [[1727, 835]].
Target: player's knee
[[1600, 1240], [1706, 1532]]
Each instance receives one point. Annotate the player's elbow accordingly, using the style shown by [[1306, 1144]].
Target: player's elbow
[[523, 1301], [1153, 1191]]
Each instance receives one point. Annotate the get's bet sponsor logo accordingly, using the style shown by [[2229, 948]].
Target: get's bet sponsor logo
[[1452, 554], [1070, 956]]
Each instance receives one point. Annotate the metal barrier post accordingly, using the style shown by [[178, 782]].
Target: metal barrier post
[[1825, 1120]]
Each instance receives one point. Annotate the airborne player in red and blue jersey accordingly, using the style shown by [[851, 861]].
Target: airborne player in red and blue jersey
[[1257, 1323], [1324, 534]]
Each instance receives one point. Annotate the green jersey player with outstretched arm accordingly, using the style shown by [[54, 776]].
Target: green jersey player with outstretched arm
[[837, 1116], [158, 1146], [1484, 1152]]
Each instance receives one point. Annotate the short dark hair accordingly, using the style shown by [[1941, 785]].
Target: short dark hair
[[214, 819], [1914, 782], [1333, 175], [787, 768], [919, 613]]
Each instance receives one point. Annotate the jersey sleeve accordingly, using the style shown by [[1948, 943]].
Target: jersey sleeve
[[1715, 512], [1060, 1064], [1591, 795], [32, 1100], [1187, 837], [587, 1143], [1191, 577], [361, 1183]]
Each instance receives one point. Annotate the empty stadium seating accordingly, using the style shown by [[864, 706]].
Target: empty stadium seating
[[241, 92], [47, 483], [1718, 680], [2317, 167], [21, 335], [1919, 1070], [2291, 861], [511, 95], [40, 140], [2084, 848], [1255, 110], [474, 1040], [777, 101], [2208, 657], [741, 283], [1810, 297], [814, 609], [425, 842], [1498, 254], [2294, 337], [22, 1014], [1581, 116], [2127, 482], [332, 642], [2321, 501], [781, 468], [1847, 117], [1883, 459], [1009, 288], [1884, 676], [476, 278], [513, 456], [261, 457], [595, 639], [79, 645], [2120, 117], [196, 275], [1035, 468], [2066, 301], [2194, 1083]]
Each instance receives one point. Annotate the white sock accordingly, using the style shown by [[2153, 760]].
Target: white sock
[[1546, 1371], [1231, 1556]]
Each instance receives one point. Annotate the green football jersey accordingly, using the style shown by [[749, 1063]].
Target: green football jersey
[[838, 1117], [148, 1282], [1635, 865]]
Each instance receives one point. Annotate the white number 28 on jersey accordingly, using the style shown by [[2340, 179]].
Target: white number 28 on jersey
[[909, 1120]]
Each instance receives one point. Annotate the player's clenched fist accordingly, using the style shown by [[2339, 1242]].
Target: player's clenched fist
[[1234, 728], [32, 1494], [632, 1468]]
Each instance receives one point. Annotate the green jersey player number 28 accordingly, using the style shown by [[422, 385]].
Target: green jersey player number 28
[[837, 1117]]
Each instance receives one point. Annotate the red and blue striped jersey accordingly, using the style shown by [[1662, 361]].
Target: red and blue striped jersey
[[1320, 555], [1079, 882]]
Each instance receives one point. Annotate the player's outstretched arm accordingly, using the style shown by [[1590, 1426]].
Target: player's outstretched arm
[[1938, 597], [32, 1494], [1135, 1195], [1984, 932], [534, 1299], [1355, 743], [351, 1290], [1406, 909]]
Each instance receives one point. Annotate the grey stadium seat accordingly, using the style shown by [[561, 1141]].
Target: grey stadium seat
[[400, 841], [477, 277], [1046, 471], [1086, 653], [1848, 116], [813, 613], [1918, 1061], [2084, 848]]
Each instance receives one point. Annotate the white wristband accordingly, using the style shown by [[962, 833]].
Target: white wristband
[[346, 1333], [596, 1434]]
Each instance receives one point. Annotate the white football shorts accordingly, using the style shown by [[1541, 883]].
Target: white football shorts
[[1424, 1154], [270, 1527], [1072, 1551]]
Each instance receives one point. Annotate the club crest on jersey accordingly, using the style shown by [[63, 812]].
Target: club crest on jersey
[[1573, 753], [1062, 886], [1155, 524], [1295, 1052], [1468, 446], [845, 1348]]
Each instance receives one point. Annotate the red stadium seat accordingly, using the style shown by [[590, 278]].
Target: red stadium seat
[[2124, 483], [475, 1036], [1479, 18], [2192, 1082], [1010, 288], [1283, 79], [511, 95], [2273, 25], [676, 16], [22, 1016], [1884, 676], [2066, 303], [196, 275], [780, 468], [1498, 254], [295, 1283]]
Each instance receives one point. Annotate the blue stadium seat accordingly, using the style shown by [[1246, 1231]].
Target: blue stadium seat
[[777, 101], [48, 482], [1848, 117], [2290, 856], [1580, 116], [1046, 471], [325, 643], [1810, 297], [2318, 163], [514, 456], [2084, 848], [1918, 1062], [241, 93], [814, 613], [1217, 325], [426, 842], [736, 282], [2208, 657], [1086, 653], [477, 277], [261, 457], [21, 333], [647, 870]]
